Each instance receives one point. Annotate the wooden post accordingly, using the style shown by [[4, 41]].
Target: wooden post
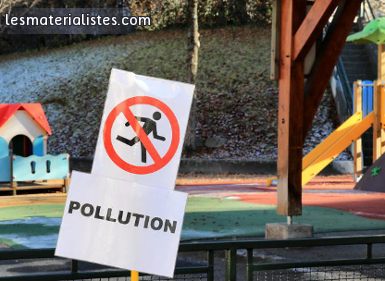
[[378, 125], [381, 62], [382, 116], [378, 131], [66, 185], [290, 118], [357, 145], [13, 183], [67, 179], [275, 39], [298, 103]]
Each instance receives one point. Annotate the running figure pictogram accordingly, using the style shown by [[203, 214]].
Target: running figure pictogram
[[149, 127]]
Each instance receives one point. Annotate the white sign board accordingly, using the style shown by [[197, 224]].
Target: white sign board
[[121, 224], [142, 129]]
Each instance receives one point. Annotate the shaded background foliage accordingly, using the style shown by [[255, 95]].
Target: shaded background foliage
[[163, 13], [211, 13]]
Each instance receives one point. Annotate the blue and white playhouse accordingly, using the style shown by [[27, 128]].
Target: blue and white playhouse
[[24, 162]]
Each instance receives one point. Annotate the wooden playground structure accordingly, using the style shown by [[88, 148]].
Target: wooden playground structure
[[297, 31], [369, 101], [25, 164], [33, 181]]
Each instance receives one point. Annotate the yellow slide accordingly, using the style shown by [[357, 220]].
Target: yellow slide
[[315, 161]]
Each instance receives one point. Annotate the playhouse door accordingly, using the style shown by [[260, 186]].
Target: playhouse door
[[21, 146]]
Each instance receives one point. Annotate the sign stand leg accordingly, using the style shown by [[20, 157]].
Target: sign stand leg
[[134, 275]]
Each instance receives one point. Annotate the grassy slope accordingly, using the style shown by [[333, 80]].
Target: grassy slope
[[236, 99]]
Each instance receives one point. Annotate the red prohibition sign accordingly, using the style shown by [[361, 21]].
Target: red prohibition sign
[[124, 108]]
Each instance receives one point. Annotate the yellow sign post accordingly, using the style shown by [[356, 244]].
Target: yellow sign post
[[134, 275]]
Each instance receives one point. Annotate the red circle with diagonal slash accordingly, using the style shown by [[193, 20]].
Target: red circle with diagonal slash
[[124, 108]]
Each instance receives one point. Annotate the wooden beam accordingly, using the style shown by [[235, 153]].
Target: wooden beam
[[290, 119], [275, 39], [381, 62], [13, 183], [378, 130], [357, 145], [382, 114], [326, 60], [312, 26]]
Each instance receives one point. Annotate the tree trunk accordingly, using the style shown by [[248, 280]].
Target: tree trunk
[[192, 67]]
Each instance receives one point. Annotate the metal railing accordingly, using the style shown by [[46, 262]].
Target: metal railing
[[368, 260], [355, 268], [74, 273], [346, 86], [366, 13]]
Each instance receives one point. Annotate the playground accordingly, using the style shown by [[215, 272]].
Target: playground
[[127, 216], [217, 208]]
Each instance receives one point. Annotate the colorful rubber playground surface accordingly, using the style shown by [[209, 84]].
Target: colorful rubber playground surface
[[216, 208]]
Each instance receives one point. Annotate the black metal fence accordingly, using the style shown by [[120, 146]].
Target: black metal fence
[[240, 262]]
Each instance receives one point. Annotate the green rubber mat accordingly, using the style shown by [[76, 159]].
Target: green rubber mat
[[37, 226]]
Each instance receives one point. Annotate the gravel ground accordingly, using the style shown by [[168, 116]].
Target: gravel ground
[[233, 78]]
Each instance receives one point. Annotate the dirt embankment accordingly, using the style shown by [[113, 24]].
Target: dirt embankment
[[237, 103]]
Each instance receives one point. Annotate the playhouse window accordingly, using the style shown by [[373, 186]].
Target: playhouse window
[[21, 145]]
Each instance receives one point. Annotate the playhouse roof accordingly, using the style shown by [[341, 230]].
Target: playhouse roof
[[34, 109]]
